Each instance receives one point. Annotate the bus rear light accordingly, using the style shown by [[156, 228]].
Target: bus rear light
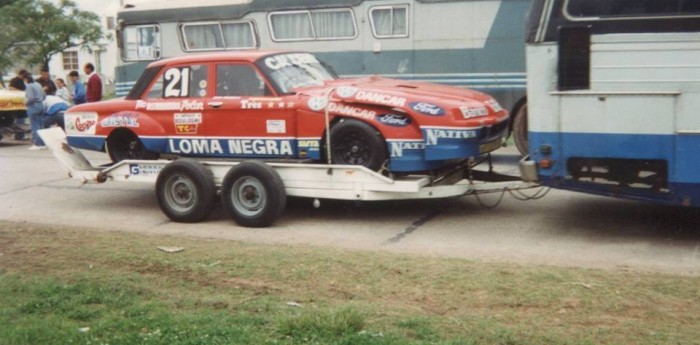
[[545, 163]]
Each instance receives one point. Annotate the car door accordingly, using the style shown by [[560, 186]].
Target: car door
[[177, 100], [245, 115]]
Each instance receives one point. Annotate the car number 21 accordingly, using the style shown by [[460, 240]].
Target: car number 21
[[177, 82]]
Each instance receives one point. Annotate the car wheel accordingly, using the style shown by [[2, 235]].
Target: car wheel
[[253, 194], [520, 130], [357, 143], [186, 191], [124, 145]]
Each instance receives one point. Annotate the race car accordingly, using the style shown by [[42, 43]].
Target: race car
[[288, 105]]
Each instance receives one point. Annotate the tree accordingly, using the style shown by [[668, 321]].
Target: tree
[[12, 34], [53, 29], [35, 30]]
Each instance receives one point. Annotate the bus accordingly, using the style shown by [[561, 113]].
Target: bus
[[476, 44], [613, 97]]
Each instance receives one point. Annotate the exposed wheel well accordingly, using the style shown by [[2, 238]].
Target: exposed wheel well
[[516, 107]]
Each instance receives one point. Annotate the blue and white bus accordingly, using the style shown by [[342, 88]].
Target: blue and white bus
[[614, 97], [478, 44]]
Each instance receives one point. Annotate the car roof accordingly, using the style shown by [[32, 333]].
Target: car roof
[[245, 56]]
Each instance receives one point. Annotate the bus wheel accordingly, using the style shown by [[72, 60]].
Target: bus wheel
[[357, 143], [186, 191], [253, 194], [124, 144], [520, 130]]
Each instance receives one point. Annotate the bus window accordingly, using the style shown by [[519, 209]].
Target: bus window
[[219, 36], [239, 35], [205, 36], [141, 43], [334, 24], [605, 9], [389, 21]]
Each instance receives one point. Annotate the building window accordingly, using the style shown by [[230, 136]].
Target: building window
[[219, 36], [334, 24], [389, 21], [70, 61], [141, 42]]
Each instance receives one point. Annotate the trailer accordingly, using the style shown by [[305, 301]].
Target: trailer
[[254, 192]]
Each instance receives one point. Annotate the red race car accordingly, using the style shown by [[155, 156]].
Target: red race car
[[288, 105]]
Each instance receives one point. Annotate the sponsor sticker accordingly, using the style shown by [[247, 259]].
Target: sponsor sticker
[[432, 135], [183, 105], [280, 61], [187, 123], [81, 123], [238, 147], [276, 126], [145, 169], [426, 108], [317, 103], [346, 91], [120, 120], [397, 148], [471, 112], [493, 104], [394, 120], [376, 97]]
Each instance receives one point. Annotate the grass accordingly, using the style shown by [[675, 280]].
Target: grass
[[73, 286]]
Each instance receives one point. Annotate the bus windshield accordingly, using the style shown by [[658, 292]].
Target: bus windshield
[[295, 70]]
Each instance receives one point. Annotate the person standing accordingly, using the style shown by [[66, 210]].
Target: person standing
[[46, 83], [94, 83], [62, 91], [34, 101], [17, 83], [79, 96]]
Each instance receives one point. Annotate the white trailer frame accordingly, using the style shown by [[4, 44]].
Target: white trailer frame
[[319, 181]]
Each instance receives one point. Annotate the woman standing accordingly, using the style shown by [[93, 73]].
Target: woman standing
[[34, 98]]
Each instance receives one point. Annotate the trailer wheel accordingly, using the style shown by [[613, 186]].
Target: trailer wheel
[[520, 130], [186, 191], [357, 143], [253, 194]]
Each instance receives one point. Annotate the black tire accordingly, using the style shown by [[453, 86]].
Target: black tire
[[186, 191], [357, 143], [122, 145], [520, 130], [253, 194]]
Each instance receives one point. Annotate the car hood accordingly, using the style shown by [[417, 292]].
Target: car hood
[[391, 92]]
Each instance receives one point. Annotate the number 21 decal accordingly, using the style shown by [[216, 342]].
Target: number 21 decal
[[177, 82]]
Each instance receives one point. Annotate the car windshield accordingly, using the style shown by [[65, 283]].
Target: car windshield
[[295, 70]]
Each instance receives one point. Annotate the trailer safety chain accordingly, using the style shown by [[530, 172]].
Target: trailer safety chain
[[516, 193]]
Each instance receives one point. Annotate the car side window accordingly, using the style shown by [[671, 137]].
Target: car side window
[[239, 80], [181, 81]]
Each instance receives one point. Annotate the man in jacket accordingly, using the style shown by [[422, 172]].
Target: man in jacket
[[94, 84]]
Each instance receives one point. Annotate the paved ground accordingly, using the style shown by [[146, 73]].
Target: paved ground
[[563, 228]]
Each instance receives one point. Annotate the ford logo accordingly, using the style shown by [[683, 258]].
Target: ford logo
[[427, 108], [394, 120]]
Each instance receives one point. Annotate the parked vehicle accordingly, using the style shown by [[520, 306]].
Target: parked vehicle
[[288, 105], [11, 108], [613, 96], [465, 43]]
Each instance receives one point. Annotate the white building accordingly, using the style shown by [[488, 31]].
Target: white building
[[103, 57]]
